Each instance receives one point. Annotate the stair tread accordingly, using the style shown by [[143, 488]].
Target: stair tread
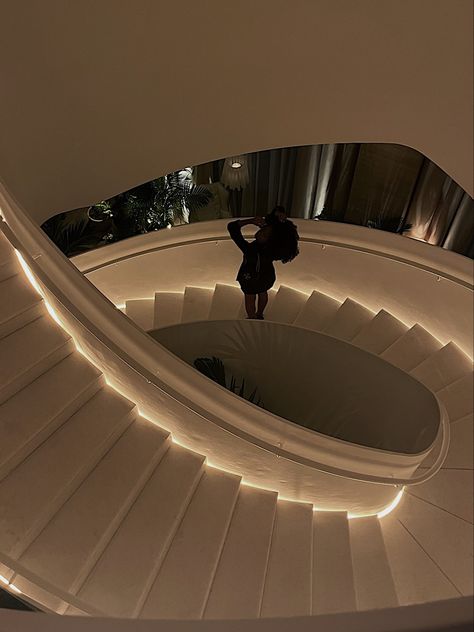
[[451, 490], [317, 311], [70, 543], [23, 431], [416, 577], [348, 321], [372, 575], [286, 305], [412, 348], [381, 332], [333, 575], [30, 493], [141, 311], [27, 345], [238, 584], [6, 249], [446, 539], [443, 367], [19, 295], [460, 453], [287, 589], [196, 547], [124, 573], [196, 304], [458, 397]]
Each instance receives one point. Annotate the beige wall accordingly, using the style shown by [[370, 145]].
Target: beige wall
[[100, 96]]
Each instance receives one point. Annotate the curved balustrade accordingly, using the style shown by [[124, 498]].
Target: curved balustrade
[[258, 445], [414, 281]]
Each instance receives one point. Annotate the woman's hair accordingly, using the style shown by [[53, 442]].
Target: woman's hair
[[283, 242], [272, 217]]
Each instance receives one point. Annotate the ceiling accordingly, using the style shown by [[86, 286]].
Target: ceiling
[[98, 97]]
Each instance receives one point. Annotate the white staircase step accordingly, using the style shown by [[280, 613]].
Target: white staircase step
[[271, 297], [286, 305], [23, 431], [317, 311], [227, 302], [9, 264], [122, 577], [372, 575], [348, 321], [196, 304], [333, 576], [36, 489], [417, 578], [71, 611], [181, 588], [381, 332], [21, 304], [42, 597], [30, 351], [460, 454], [412, 348], [287, 589], [237, 588], [71, 543], [141, 311], [168, 309], [458, 397], [451, 490], [9, 267], [443, 367], [445, 538]]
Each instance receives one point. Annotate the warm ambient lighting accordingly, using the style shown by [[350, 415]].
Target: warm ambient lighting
[[28, 273], [381, 514], [109, 382], [235, 172], [392, 505], [12, 587]]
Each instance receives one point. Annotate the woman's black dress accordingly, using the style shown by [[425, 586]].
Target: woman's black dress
[[256, 274]]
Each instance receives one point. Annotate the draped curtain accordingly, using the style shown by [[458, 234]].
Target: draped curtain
[[384, 186]]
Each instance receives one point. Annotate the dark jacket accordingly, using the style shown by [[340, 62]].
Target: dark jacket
[[256, 274]]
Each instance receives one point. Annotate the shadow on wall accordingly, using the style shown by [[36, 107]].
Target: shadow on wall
[[383, 186]]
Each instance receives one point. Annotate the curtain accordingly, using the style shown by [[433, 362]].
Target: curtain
[[384, 186], [435, 203]]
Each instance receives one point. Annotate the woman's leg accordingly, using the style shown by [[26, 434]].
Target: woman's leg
[[250, 305], [261, 303]]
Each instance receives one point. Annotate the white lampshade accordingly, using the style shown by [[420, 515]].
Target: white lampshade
[[235, 173]]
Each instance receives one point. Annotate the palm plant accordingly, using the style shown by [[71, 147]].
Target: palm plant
[[156, 204], [214, 369], [70, 232]]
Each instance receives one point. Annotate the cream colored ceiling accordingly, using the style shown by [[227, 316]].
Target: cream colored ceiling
[[100, 96]]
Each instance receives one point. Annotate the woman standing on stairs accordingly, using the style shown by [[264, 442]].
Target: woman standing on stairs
[[277, 240]]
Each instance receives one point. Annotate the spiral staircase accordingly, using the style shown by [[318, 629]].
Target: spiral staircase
[[103, 513]]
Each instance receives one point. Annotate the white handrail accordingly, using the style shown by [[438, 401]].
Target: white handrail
[[444, 438], [444, 263]]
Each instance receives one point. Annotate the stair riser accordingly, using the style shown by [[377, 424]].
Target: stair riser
[[54, 505], [35, 441], [31, 373]]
